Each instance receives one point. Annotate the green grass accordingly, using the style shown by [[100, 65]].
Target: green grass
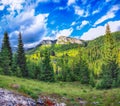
[[71, 90]]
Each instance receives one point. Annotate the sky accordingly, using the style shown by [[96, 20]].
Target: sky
[[48, 19]]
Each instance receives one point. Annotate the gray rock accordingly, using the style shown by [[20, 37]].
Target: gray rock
[[40, 102], [8, 98]]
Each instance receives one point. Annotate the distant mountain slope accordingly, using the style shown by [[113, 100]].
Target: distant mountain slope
[[66, 40], [61, 43]]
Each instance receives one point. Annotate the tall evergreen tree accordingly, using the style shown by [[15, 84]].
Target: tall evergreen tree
[[47, 73], [6, 55], [21, 59], [110, 66]]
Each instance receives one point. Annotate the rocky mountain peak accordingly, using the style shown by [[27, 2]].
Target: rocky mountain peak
[[67, 40]]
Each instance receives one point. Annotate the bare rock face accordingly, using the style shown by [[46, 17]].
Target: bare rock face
[[67, 40], [8, 98]]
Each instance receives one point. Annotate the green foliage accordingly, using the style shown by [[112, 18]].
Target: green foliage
[[16, 71], [110, 66], [6, 55], [21, 59], [47, 73], [92, 80], [67, 90]]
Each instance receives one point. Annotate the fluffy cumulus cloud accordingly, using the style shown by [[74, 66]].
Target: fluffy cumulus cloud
[[110, 14], [1, 7], [49, 19], [33, 27], [82, 24], [71, 2], [13, 5], [100, 30], [65, 32], [79, 11]]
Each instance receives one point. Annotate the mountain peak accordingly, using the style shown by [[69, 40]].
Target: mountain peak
[[67, 40]]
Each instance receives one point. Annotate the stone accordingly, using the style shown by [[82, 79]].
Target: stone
[[40, 102], [8, 98]]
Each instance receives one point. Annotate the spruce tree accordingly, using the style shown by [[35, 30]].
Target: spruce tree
[[6, 55], [47, 73], [110, 66], [21, 59]]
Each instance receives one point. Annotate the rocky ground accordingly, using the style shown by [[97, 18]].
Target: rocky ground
[[9, 98]]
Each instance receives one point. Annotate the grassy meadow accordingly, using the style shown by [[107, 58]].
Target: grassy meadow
[[69, 90]]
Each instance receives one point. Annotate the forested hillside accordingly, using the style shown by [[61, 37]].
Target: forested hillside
[[92, 64], [95, 62], [65, 57]]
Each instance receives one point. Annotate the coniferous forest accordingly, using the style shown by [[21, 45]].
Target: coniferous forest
[[59, 52], [95, 63]]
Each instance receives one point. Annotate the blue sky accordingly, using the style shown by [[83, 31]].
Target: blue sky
[[49, 19]]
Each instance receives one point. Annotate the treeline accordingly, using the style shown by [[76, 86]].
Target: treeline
[[98, 66], [12, 64], [17, 65], [66, 68]]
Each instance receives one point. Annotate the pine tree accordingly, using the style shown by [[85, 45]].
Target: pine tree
[[6, 44], [47, 73], [21, 59], [6, 55], [110, 66]]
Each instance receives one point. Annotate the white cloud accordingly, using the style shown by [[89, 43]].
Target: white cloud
[[65, 32], [71, 2], [106, 17], [38, 23], [31, 45], [96, 11], [110, 14], [55, 1], [79, 11], [43, 0], [1, 7], [83, 24], [47, 38], [73, 23], [26, 15], [100, 30], [13, 4], [33, 27]]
